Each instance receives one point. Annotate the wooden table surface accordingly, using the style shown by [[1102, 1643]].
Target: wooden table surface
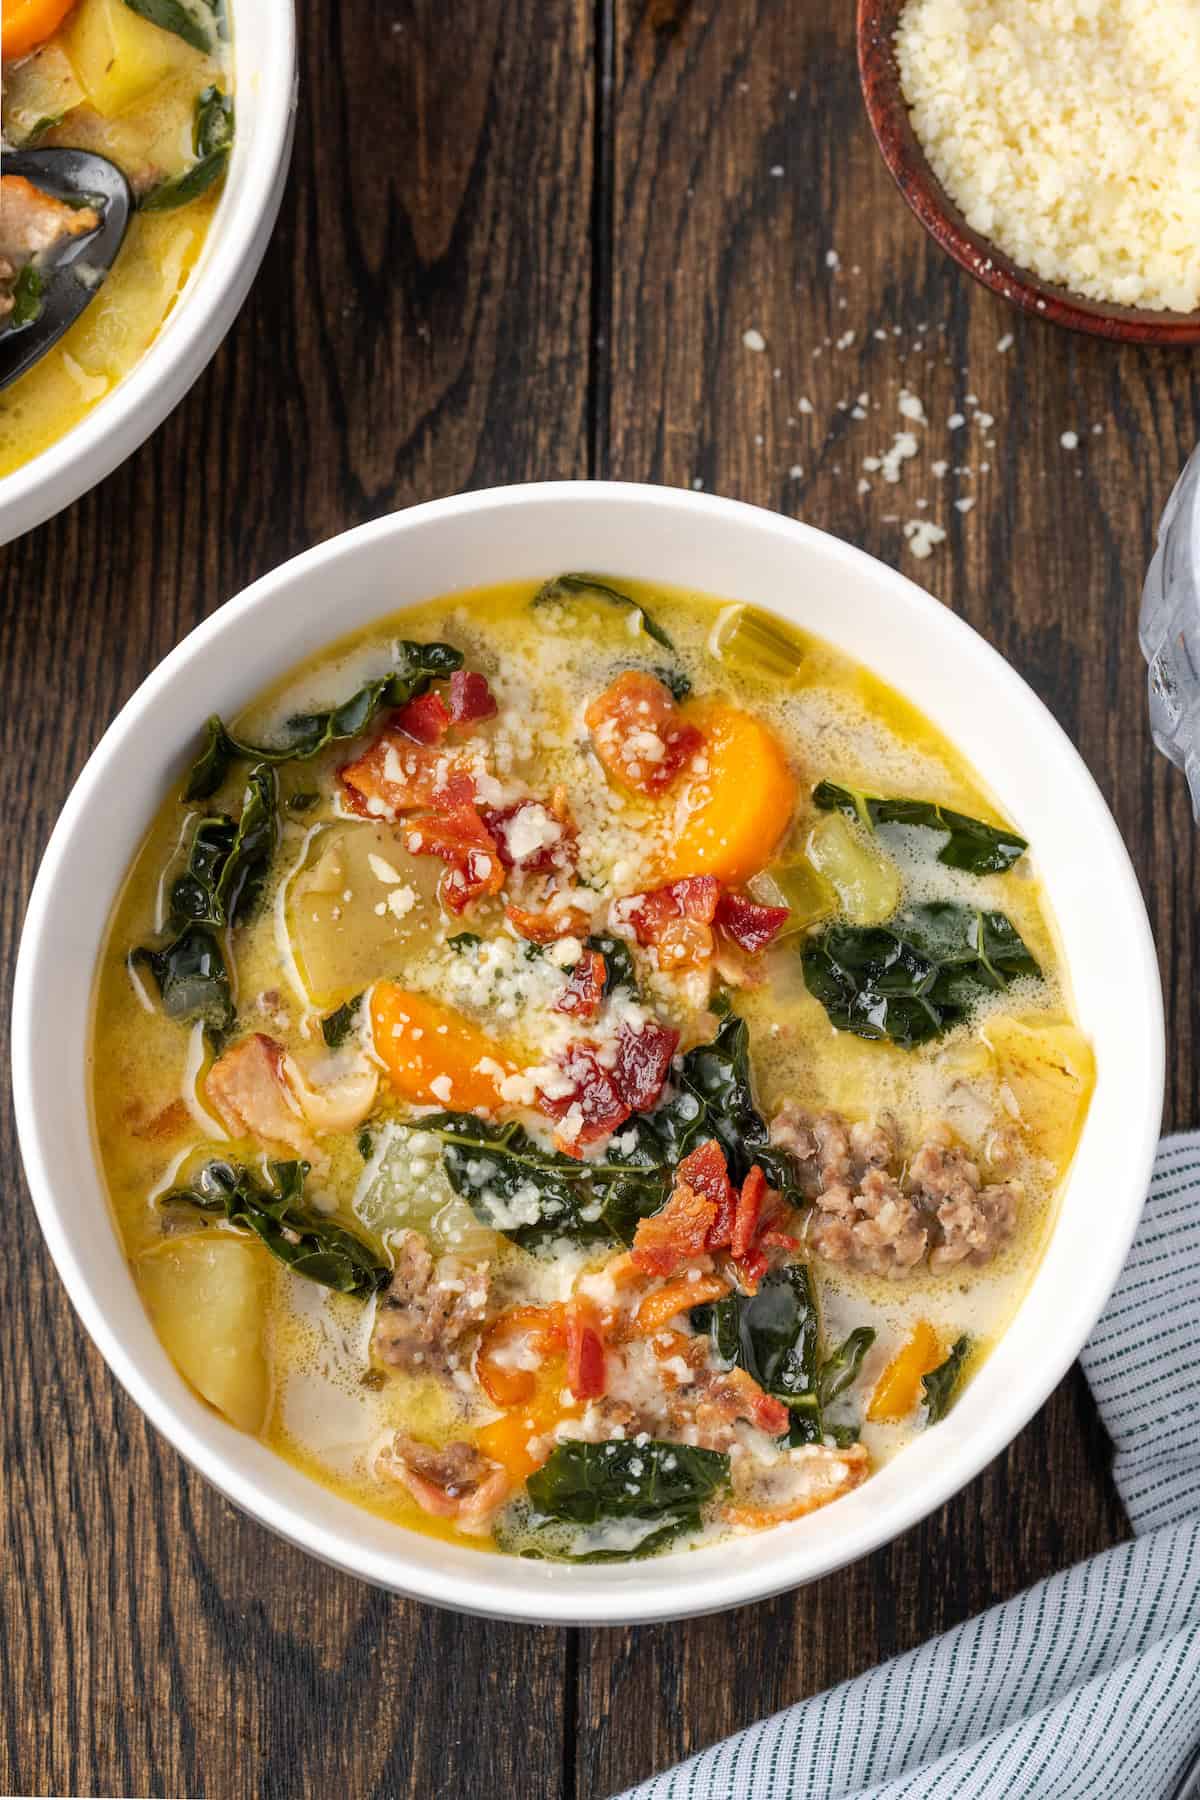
[[524, 240]]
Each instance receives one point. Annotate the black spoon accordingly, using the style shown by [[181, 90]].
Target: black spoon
[[81, 179]]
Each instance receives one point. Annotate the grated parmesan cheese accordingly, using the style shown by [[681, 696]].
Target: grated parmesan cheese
[[1065, 130]]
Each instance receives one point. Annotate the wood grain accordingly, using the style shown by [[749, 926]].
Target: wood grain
[[526, 241], [419, 333]]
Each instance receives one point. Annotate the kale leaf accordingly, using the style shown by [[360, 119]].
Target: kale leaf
[[602, 1502], [212, 143], [228, 862], [532, 1194], [619, 970], [941, 1383], [174, 16], [967, 843], [337, 1027], [774, 1335], [914, 978], [305, 1240], [570, 587], [28, 298], [307, 733], [192, 979]]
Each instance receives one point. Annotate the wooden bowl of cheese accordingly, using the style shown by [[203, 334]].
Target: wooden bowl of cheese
[[1025, 153]]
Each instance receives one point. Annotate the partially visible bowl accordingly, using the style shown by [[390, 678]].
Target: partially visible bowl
[[901, 150], [717, 546], [264, 60]]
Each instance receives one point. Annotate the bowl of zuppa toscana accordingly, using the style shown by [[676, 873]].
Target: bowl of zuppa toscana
[[195, 107], [604, 1050]]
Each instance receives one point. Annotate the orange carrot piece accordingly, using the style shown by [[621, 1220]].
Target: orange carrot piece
[[898, 1388], [433, 1055], [28, 23], [657, 1309]]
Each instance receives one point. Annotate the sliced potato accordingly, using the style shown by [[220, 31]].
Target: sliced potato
[[345, 930], [1049, 1069], [42, 88], [118, 56], [207, 1295], [864, 877]]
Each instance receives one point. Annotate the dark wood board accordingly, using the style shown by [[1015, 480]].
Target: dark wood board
[[526, 241]]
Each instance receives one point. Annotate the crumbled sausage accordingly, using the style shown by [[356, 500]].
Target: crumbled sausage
[[428, 1309], [457, 1482], [974, 1220], [869, 1214]]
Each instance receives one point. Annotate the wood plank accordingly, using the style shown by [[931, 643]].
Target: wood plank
[[433, 336], [741, 160]]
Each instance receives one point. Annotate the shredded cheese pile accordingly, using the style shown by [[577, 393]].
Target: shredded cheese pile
[[1067, 132]]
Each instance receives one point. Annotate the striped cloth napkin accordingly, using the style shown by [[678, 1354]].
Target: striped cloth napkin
[[1088, 1686]]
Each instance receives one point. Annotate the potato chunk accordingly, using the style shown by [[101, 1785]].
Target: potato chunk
[[865, 879], [206, 1294], [117, 56], [1050, 1070]]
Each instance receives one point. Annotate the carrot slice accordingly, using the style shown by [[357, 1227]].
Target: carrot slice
[[520, 1440], [433, 1055], [898, 1388], [504, 1381], [28, 23], [741, 806]]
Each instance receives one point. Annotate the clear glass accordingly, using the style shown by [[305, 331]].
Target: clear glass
[[1170, 629]]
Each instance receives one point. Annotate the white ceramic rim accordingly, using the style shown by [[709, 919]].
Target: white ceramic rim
[[668, 1587], [211, 300]]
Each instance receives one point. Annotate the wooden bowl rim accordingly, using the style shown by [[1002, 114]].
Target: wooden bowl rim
[[887, 110]]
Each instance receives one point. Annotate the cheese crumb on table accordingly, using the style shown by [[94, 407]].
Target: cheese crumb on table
[[1065, 131]]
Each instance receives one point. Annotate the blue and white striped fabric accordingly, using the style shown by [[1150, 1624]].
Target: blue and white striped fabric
[[1088, 1686]]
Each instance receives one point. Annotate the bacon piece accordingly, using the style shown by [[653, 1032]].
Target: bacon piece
[[666, 1303], [535, 845], [424, 719], [586, 1372], [249, 1088], [470, 698], [643, 1063], [667, 1240], [600, 1106], [459, 836], [734, 1394], [547, 927], [639, 734], [398, 775], [751, 926], [749, 1212], [584, 993], [677, 920], [458, 1482]]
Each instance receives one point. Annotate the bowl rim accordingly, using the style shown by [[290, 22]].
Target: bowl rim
[[479, 1591], [984, 260], [202, 313]]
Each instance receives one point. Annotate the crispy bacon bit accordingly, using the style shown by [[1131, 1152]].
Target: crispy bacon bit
[[682, 1230], [470, 698], [547, 927], [249, 1088], [398, 775], [677, 920], [584, 993], [751, 926], [459, 836], [639, 734], [586, 1373], [749, 1212], [424, 719], [458, 1482], [666, 1303], [593, 1109], [643, 1063], [734, 1394], [536, 843]]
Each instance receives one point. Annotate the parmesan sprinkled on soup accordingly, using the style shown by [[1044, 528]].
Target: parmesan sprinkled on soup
[[583, 1070]]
